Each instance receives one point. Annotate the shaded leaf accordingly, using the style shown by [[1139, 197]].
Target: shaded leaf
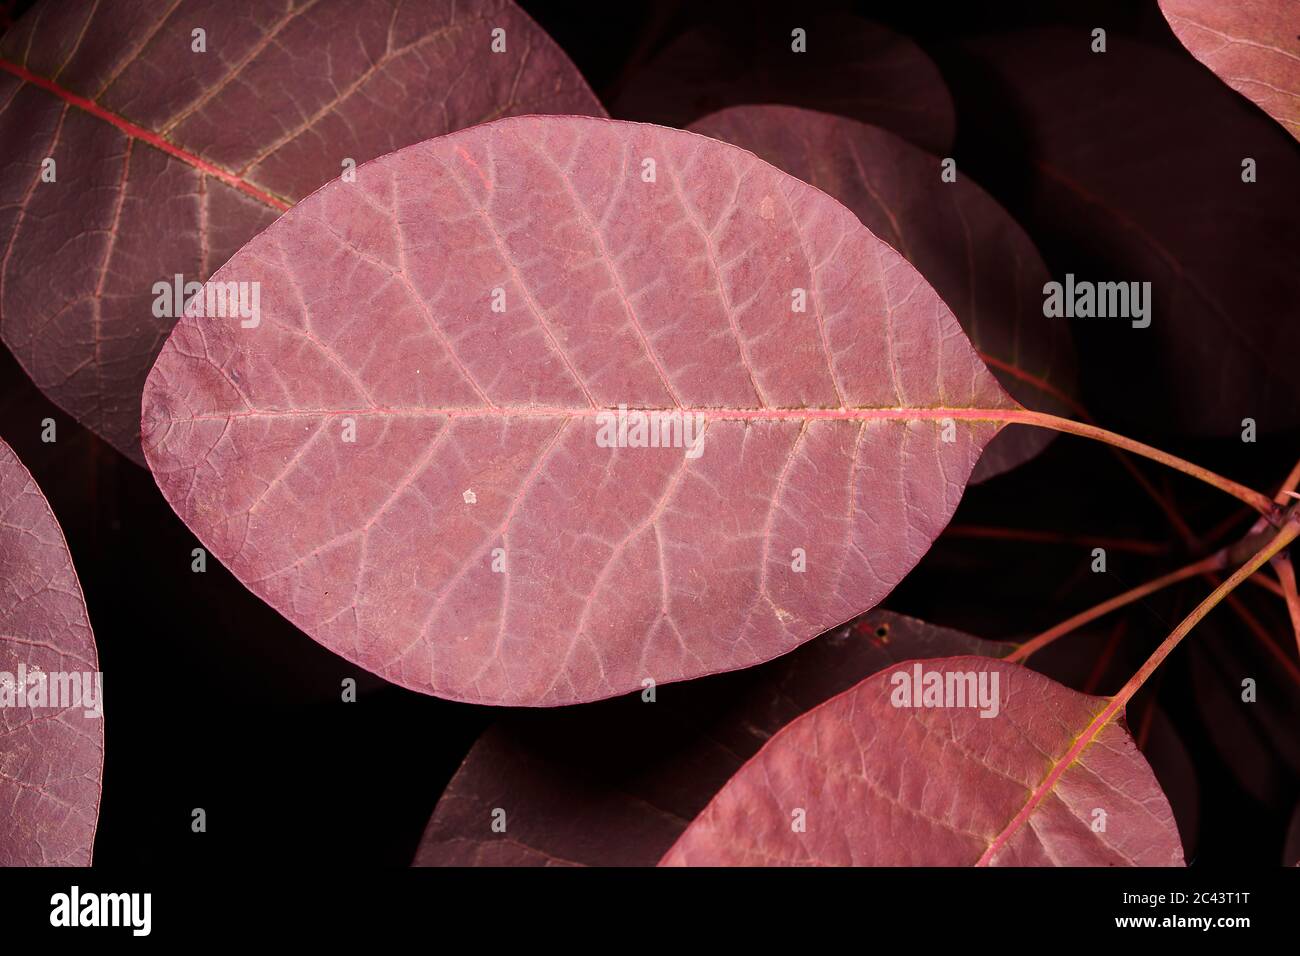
[[1250, 45], [853, 68], [976, 256], [876, 784], [822, 474], [51, 757], [615, 783], [1135, 175], [168, 160]]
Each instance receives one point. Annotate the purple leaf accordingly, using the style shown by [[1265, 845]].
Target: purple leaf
[[615, 783], [851, 67], [1136, 166], [1250, 45], [424, 484], [51, 756], [868, 779], [167, 160]]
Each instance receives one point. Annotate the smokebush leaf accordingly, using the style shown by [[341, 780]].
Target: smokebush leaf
[[51, 757], [875, 784], [976, 256], [168, 160], [1250, 45], [615, 783], [426, 486], [853, 67]]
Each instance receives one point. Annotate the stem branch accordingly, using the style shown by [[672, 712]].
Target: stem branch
[[1213, 563], [1286, 575], [1288, 533], [1261, 503]]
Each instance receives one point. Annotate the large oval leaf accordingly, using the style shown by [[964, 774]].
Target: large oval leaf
[[168, 160], [863, 781], [616, 783], [850, 66], [977, 257], [1250, 45], [424, 483], [51, 756]]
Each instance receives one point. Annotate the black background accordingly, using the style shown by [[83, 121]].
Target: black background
[[214, 701]]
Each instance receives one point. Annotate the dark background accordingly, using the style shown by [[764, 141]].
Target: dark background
[[214, 701]]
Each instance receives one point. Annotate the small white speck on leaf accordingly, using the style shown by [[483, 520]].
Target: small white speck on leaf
[[470, 497]]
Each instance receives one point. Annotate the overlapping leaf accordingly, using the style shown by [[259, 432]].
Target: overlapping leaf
[[167, 160], [863, 781], [1250, 45], [423, 483], [850, 67], [1138, 174], [977, 257], [51, 757], [615, 783]]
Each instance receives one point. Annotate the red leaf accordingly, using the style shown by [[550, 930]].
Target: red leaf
[[1250, 45], [886, 785], [615, 783], [476, 431], [168, 160], [852, 67], [978, 259], [51, 757]]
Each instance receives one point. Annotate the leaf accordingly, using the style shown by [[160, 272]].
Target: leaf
[[476, 432], [852, 67], [51, 757], [880, 785], [1134, 174], [615, 783], [168, 160], [1250, 45], [977, 257]]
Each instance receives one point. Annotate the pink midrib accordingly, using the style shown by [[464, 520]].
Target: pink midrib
[[1000, 415], [1081, 743], [145, 136]]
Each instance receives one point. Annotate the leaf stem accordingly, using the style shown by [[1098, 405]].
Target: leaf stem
[[1286, 575], [1288, 533], [1292, 480], [1261, 503], [1261, 633], [1162, 501], [1213, 563]]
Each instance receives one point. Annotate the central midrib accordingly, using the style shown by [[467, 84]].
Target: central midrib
[[1000, 415]]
